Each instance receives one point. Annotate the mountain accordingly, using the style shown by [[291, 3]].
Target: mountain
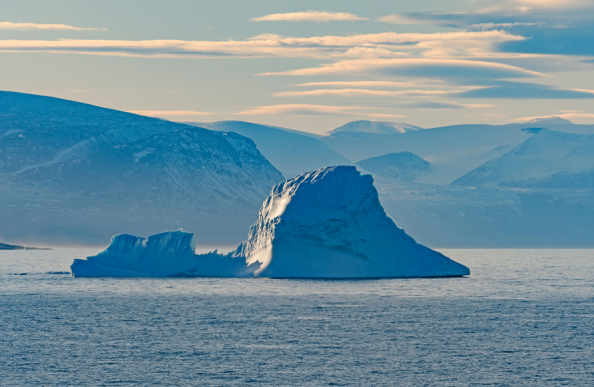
[[377, 127], [38, 130], [445, 148], [289, 151], [4, 246], [453, 151], [548, 160], [400, 166], [75, 174]]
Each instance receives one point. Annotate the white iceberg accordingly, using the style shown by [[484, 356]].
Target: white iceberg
[[323, 224]]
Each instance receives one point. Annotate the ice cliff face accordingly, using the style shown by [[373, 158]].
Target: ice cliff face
[[330, 223], [323, 224]]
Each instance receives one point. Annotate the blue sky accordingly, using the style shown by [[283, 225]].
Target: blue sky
[[308, 65]]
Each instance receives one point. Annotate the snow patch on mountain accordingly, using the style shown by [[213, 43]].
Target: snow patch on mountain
[[378, 127], [550, 120]]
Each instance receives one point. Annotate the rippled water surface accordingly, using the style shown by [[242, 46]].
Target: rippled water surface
[[523, 317]]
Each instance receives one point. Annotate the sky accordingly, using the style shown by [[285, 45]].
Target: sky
[[308, 65]]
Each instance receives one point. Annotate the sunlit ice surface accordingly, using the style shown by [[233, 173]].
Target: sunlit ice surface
[[523, 317]]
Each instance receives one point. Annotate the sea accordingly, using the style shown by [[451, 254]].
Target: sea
[[522, 318]]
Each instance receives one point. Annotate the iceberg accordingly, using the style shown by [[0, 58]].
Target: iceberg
[[168, 254], [327, 223]]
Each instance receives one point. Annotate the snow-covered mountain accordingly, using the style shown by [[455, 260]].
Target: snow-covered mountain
[[290, 151], [453, 151], [400, 166], [75, 174], [377, 127], [548, 160], [442, 147]]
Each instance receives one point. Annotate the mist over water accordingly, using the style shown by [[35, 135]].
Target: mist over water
[[523, 317]]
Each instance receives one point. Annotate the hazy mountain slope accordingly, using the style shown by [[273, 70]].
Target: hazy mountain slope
[[37, 130], [465, 217], [547, 160], [135, 174], [290, 152], [404, 166], [378, 127], [439, 144], [453, 151], [442, 147]]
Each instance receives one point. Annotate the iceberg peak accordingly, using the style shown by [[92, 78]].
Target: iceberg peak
[[329, 223]]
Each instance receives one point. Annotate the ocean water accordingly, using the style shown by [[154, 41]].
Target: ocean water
[[522, 318]]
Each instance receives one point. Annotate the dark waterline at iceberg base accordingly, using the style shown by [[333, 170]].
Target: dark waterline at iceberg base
[[524, 317]]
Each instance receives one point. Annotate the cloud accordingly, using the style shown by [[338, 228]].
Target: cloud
[[381, 45], [522, 90], [304, 109], [404, 19], [490, 26], [35, 26], [441, 105], [169, 113], [367, 92], [402, 84], [310, 16], [552, 27], [417, 67]]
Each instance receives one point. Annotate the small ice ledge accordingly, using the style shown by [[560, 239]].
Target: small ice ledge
[[169, 254], [323, 224]]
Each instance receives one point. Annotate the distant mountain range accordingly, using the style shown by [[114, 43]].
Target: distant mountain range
[[4, 246], [76, 174]]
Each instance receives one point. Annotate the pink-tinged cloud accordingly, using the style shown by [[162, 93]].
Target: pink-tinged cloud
[[35, 26], [310, 16], [304, 109], [417, 67], [399, 84], [370, 93], [382, 45], [437, 105]]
